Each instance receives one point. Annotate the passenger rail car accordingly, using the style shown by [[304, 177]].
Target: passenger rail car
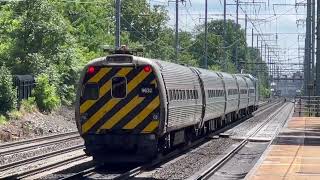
[[131, 108]]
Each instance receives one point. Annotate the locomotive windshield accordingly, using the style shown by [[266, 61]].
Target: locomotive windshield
[[119, 87]]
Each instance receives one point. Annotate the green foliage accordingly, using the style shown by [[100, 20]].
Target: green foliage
[[55, 39], [3, 120], [28, 105], [264, 92], [8, 97], [15, 115], [45, 94]]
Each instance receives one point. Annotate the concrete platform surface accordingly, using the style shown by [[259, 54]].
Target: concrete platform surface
[[294, 153]]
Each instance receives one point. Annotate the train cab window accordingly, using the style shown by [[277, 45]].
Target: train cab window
[[91, 92], [196, 94], [119, 87]]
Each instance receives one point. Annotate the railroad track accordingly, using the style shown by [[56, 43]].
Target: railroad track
[[19, 147], [27, 142], [33, 172], [36, 144], [34, 159], [209, 172], [91, 171]]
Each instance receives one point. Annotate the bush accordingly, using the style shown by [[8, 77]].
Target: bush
[[3, 119], [8, 96], [15, 114], [28, 105], [45, 94]]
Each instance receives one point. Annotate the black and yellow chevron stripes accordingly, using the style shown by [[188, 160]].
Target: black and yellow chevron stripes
[[134, 114]]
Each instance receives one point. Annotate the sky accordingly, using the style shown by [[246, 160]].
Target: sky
[[279, 23]]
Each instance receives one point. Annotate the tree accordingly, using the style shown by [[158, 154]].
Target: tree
[[8, 94]]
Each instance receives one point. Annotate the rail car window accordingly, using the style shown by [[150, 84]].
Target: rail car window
[[243, 91], [119, 87], [91, 92], [251, 91], [170, 95], [232, 91], [184, 94]]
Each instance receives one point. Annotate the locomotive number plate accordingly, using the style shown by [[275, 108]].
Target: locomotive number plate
[[147, 90]]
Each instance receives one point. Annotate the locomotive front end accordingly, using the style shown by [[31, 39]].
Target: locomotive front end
[[118, 112]]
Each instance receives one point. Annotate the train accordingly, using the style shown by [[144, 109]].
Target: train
[[131, 108]]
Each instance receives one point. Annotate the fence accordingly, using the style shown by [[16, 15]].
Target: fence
[[307, 105], [24, 84]]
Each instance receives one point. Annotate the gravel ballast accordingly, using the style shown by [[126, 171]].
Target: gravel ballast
[[243, 128], [192, 161]]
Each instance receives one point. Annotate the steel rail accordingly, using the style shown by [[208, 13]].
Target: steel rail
[[40, 157], [42, 169], [34, 140], [27, 147]]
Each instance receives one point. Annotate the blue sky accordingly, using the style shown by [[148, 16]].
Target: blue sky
[[279, 16]]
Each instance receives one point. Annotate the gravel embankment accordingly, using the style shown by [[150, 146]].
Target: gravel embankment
[[36, 124], [193, 161]]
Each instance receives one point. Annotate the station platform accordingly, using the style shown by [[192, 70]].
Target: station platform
[[293, 154]]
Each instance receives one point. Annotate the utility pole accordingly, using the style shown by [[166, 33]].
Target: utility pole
[[206, 36], [261, 47], [318, 51], [252, 36], [266, 59], [245, 27], [307, 58], [313, 43], [224, 34], [245, 38], [236, 46], [118, 16], [177, 31], [257, 42]]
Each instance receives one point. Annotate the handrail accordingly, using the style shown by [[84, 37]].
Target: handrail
[[307, 105]]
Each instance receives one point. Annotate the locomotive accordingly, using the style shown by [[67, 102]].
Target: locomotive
[[130, 108]]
